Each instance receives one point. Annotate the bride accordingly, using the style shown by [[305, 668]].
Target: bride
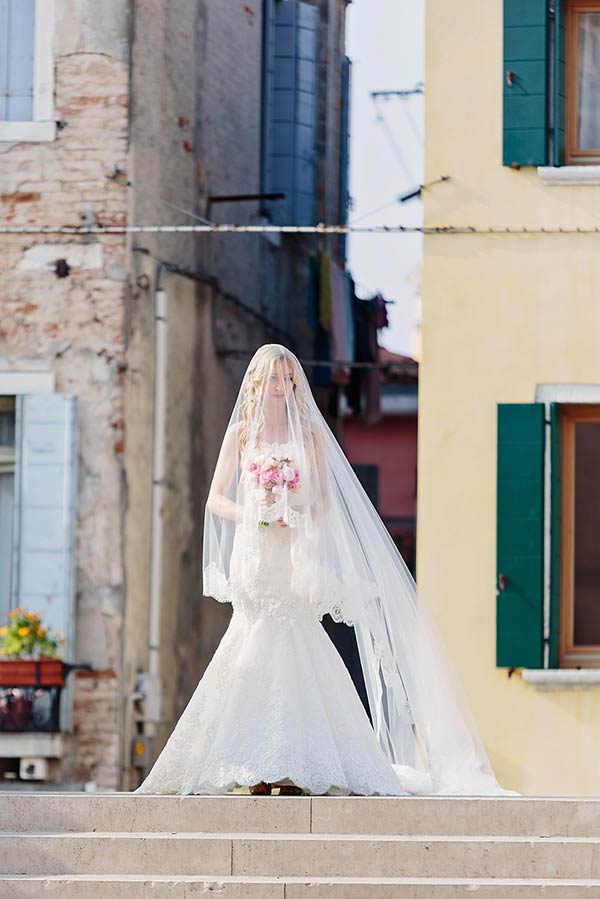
[[289, 536]]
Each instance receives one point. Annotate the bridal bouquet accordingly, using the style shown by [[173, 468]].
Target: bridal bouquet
[[275, 475]]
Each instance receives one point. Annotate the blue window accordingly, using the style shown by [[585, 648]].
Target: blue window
[[290, 111], [17, 40]]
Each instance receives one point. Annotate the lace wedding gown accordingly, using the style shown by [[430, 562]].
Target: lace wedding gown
[[276, 703]]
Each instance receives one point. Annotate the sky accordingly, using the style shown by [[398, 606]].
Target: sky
[[385, 41]]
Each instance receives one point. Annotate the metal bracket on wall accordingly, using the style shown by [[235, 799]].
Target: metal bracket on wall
[[225, 324]]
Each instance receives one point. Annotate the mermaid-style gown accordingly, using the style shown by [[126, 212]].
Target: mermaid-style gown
[[276, 703]]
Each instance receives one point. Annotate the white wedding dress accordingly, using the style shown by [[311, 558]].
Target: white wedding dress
[[276, 703]]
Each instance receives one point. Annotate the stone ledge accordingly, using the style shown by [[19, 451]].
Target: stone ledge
[[15, 746], [548, 679], [27, 132], [569, 174]]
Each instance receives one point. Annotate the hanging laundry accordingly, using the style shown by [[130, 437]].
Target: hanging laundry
[[381, 314], [363, 392], [350, 294], [321, 322], [340, 348], [312, 299], [325, 291]]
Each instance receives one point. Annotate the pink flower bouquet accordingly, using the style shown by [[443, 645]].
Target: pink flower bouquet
[[274, 475]]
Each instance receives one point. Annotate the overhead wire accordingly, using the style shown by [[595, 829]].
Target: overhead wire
[[498, 230]]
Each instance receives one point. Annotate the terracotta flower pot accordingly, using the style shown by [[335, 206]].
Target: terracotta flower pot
[[31, 673]]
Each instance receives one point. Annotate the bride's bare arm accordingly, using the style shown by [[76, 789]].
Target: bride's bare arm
[[218, 502], [323, 504]]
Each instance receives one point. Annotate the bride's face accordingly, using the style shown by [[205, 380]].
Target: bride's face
[[279, 384]]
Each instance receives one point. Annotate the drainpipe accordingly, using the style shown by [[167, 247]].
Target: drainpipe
[[147, 688], [158, 482]]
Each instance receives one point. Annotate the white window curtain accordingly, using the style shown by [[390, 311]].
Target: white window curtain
[[588, 111]]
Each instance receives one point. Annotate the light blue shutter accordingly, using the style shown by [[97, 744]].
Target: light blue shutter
[[291, 130], [45, 499], [17, 30]]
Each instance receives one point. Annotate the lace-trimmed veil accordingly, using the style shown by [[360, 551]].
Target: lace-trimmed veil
[[280, 461]]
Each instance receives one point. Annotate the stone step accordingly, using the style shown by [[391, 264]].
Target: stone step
[[123, 812], [300, 855], [183, 887]]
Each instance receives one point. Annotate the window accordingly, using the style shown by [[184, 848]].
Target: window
[[26, 70], [583, 82], [38, 486], [580, 600], [551, 82], [548, 519], [289, 131]]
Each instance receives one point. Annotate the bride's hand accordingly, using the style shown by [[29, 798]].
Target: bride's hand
[[281, 523], [270, 498]]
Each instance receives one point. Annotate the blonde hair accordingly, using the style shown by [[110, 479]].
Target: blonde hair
[[253, 384]]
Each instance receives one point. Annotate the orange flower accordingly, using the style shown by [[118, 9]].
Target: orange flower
[[31, 615], [41, 632], [3, 631], [23, 631]]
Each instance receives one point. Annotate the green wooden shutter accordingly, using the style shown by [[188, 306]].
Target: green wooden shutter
[[555, 532], [520, 536], [526, 49]]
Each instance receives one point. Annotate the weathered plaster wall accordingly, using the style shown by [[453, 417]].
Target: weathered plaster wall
[[76, 325]]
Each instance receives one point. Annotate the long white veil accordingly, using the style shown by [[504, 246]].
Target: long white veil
[[344, 563]]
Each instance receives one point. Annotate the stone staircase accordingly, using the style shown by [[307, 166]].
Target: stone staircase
[[120, 846]]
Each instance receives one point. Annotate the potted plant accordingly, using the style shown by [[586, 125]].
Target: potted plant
[[30, 655]]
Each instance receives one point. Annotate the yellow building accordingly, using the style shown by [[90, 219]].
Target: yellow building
[[508, 540]]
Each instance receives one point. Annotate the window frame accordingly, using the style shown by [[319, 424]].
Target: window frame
[[528, 637], [573, 155], [42, 126], [570, 655]]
